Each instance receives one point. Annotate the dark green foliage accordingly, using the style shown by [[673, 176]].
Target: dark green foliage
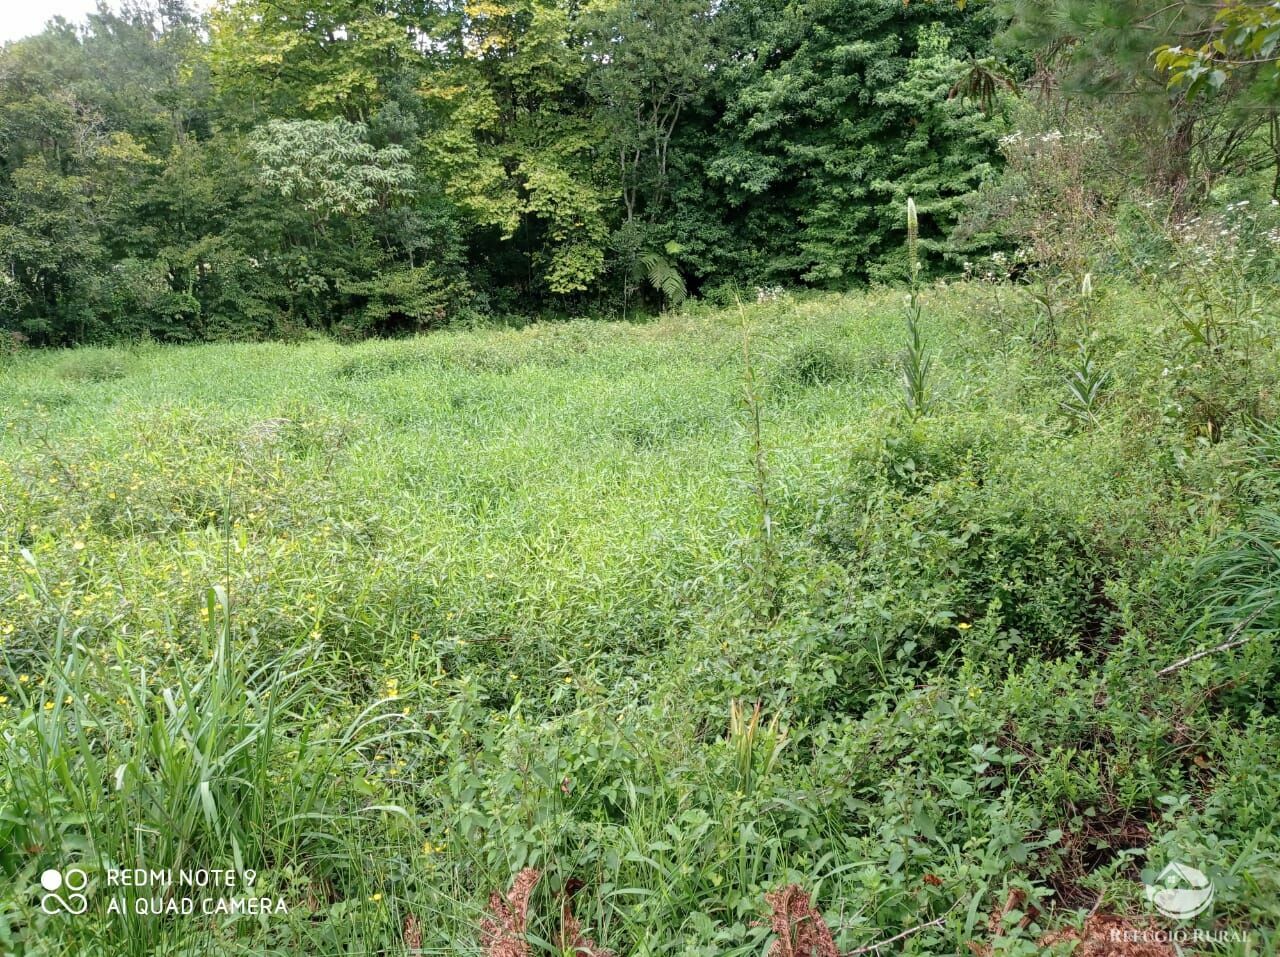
[[378, 168], [289, 169], [834, 114], [942, 552], [410, 299]]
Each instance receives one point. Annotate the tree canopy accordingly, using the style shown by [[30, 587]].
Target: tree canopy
[[375, 166]]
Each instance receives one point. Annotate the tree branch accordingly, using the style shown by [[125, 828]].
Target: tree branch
[[872, 948], [1231, 642]]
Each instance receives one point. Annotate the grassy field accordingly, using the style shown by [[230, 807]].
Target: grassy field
[[387, 623]]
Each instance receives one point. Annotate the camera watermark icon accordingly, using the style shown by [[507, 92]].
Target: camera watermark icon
[[1181, 892], [71, 882], [159, 892]]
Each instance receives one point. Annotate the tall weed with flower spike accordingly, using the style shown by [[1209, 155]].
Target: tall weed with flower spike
[[916, 360]]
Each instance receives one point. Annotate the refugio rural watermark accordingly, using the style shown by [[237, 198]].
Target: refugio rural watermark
[[1181, 893]]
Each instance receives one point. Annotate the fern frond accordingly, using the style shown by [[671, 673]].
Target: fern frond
[[664, 277]]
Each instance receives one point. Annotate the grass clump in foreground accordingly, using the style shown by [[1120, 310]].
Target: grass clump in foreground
[[390, 624]]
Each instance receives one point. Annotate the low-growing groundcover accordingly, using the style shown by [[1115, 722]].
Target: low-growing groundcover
[[386, 624]]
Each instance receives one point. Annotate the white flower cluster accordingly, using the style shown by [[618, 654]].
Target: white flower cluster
[[1020, 140], [769, 293], [1231, 235], [998, 267]]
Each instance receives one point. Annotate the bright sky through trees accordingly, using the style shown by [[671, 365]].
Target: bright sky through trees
[[19, 19], [23, 19]]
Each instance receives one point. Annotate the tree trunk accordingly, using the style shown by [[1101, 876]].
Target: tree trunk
[[1175, 166]]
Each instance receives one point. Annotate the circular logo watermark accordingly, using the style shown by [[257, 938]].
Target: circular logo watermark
[[56, 883], [1180, 892]]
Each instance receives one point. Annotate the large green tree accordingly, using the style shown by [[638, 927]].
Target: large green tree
[[649, 61], [835, 110]]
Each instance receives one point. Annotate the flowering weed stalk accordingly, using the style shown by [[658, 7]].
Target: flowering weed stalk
[[916, 359]]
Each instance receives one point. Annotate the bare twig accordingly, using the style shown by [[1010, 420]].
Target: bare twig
[[872, 948], [1098, 903], [1231, 642]]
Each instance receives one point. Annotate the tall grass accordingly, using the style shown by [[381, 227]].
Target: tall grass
[[235, 765], [387, 624]]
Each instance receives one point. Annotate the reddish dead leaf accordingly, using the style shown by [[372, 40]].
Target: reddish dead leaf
[[502, 933], [1110, 935], [996, 923], [572, 941], [1104, 935], [800, 928], [412, 935]]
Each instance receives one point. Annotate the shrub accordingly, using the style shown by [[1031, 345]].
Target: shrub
[[817, 363], [943, 553]]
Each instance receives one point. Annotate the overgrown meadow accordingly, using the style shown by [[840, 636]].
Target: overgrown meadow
[[389, 623]]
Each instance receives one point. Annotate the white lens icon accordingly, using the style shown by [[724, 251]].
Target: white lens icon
[[74, 881]]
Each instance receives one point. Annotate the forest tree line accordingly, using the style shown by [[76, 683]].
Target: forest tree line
[[371, 167]]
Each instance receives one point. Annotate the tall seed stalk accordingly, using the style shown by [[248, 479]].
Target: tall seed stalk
[[916, 359], [767, 557]]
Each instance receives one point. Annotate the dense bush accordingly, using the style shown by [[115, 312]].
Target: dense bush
[[945, 547]]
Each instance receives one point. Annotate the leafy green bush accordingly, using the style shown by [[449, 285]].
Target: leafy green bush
[[817, 364], [943, 552]]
